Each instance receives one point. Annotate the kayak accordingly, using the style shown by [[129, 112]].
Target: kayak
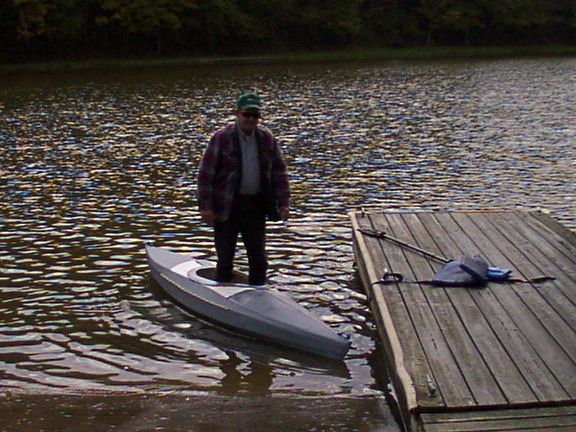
[[261, 312]]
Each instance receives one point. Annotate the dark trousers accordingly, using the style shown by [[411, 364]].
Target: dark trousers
[[248, 219]]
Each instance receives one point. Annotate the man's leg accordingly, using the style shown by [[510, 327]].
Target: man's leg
[[253, 229], [225, 238]]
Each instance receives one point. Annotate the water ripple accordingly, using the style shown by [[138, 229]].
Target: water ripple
[[92, 167]]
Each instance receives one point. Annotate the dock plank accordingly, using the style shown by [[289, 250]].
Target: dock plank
[[445, 368], [525, 352], [463, 351], [416, 360], [558, 233], [494, 354], [448, 307], [541, 325], [548, 307], [407, 364], [553, 419], [531, 262], [544, 255]]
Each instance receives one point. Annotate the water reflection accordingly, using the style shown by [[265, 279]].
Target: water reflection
[[92, 165]]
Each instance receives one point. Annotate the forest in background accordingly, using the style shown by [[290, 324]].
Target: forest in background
[[32, 30]]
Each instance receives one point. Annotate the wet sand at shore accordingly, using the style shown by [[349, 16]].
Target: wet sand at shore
[[153, 412]]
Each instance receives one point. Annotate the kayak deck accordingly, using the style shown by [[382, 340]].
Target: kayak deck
[[262, 313]]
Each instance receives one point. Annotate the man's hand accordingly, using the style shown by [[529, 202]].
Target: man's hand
[[207, 216], [284, 213]]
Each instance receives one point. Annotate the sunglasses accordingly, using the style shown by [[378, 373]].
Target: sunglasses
[[250, 114]]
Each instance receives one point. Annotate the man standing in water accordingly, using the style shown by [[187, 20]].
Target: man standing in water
[[241, 182]]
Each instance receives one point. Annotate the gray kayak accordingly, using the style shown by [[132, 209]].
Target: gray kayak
[[262, 313]]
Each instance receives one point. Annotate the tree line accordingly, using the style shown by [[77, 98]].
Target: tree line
[[56, 29]]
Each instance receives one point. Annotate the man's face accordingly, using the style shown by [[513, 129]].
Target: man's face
[[248, 120]]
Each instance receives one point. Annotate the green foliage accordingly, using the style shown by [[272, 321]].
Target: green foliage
[[145, 16], [329, 21], [222, 23], [58, 28], [31, 17]]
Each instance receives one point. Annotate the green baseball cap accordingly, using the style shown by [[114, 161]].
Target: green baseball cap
[[248, 101]]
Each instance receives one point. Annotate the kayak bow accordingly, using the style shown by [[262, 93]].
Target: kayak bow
[[265, 314]]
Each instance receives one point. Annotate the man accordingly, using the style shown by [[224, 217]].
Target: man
[[242, 181]]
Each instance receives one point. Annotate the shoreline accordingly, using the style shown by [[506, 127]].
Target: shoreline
[[373, 54], [28, 413]]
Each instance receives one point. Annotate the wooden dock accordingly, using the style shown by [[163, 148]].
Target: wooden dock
[[498, 358]]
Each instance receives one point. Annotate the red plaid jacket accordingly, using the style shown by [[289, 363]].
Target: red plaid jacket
[[221, 168]]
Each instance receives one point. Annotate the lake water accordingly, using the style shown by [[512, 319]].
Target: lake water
[[94, 163]]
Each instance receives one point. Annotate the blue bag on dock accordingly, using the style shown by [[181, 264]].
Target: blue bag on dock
[[496, 274], [467, 271]]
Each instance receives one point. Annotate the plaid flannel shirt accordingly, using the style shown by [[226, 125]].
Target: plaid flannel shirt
[[221, 170]]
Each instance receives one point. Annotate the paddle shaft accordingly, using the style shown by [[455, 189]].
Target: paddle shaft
[[383, 235]]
